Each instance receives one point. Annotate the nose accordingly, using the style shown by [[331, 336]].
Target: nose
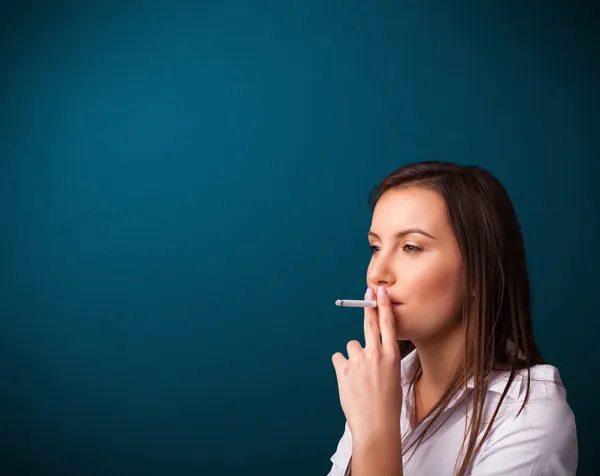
[[380, 274]]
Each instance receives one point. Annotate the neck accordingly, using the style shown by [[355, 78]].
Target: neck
[[439, 361]]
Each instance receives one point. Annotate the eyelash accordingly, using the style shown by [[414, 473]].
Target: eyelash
[[413, 248]]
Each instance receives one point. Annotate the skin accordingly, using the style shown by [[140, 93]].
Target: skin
[[423, 273], [370, 392], [420, 279], [426, 275]]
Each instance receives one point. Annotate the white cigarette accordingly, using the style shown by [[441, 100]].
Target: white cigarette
[[355, 303]]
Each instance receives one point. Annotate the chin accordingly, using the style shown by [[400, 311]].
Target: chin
[[404, 332], [401, 332], [402, 336]]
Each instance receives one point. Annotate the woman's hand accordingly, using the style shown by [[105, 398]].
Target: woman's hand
[[369, 380]]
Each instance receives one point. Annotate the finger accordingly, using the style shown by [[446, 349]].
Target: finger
[[339, 362], [387, 322], [354, 349], [372, 339]]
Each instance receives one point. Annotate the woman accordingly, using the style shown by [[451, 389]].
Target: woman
[[467, 383]]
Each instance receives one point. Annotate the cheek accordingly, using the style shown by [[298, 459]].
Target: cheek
[[435, 291]]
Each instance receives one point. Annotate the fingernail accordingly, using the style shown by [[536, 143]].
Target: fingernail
[[381, 291], [370, 294]]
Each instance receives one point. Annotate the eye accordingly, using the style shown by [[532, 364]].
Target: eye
[[374, 248], [411, 248]]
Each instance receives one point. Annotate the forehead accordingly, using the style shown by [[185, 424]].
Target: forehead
[[413, 207]]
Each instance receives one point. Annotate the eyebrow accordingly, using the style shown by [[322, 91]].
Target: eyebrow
[[403, 233]]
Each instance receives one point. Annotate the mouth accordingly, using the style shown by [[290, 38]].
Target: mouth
[[396, 304]]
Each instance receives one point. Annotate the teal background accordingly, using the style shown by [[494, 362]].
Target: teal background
[[183, 195]]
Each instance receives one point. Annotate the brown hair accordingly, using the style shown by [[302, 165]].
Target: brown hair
[[498, 316]]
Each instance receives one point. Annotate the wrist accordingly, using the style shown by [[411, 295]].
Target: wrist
[[376, 440], [378, 454]]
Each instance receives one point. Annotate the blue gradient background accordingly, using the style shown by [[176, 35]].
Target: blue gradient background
[[177, 180]]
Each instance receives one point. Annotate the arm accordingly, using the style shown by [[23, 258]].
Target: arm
[[370, 389], [379, 455]]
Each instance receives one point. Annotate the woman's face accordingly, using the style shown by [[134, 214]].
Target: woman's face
[[417, 258]]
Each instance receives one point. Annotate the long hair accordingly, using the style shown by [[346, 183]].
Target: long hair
[[496, 311]]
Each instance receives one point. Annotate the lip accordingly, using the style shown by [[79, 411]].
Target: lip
[[396, 304]]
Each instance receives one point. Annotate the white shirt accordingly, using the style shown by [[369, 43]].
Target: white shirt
[[541, 441]]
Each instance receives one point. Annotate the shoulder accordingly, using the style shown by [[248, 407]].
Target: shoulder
[[535, 435]]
